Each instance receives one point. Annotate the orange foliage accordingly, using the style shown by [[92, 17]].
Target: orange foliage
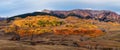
[[45, 24], [23, 32], [83, 32]]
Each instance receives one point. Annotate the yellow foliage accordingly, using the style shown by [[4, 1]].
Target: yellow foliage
[[46, 24]]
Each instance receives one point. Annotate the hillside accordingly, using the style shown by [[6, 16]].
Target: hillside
[[51, 24], [64, 30]]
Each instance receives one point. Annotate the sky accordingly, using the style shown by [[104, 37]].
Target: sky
[[10, 8]]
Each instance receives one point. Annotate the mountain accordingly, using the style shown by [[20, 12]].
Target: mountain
[[2, 18], [101, 15], [28, 14]]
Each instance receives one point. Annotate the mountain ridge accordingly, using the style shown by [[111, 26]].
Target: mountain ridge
[[101, 15]]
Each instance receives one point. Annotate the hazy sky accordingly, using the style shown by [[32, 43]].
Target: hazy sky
[[15, 7]]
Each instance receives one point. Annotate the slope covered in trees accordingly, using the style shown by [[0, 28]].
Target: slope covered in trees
[[51, 24], [70, 31]]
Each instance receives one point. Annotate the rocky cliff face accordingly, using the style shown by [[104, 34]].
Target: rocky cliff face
[[102, 15]]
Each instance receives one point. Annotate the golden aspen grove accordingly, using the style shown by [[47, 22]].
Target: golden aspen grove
[[51, 24]]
